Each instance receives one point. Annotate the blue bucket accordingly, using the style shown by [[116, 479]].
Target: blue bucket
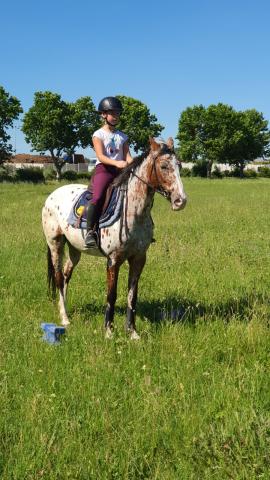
[[52, 333]]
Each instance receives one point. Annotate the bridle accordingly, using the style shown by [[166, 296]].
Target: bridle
[[159, 189]]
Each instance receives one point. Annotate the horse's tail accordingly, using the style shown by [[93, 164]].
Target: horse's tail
[[51, 275]]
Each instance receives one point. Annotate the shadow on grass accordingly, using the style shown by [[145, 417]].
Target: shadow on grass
[[178, 309]]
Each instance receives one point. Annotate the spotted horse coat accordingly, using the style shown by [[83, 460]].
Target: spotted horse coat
[[127, 239]]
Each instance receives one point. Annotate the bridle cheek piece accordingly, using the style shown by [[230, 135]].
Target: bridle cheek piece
[[159, 188]]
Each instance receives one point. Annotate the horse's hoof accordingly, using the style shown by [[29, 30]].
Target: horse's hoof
[[65, 322], [134, 335], [109, 333]]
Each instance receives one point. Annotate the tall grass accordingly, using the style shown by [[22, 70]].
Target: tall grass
[[191, 399]]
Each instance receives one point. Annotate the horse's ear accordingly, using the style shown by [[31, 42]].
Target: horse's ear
[[153, 144], [170, 143]]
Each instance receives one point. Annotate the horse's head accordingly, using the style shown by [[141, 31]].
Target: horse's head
[[165, 175]]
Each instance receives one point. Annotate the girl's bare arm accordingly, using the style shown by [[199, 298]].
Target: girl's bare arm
[[127, 157]]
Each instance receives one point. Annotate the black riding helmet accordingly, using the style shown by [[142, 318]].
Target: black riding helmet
[[110, 103]]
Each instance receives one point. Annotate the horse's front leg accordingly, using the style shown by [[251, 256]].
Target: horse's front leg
[[136, 265], [112, 277]]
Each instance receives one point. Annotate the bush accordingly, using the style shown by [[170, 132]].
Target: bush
[[199, 169], [235, 172], [34, 175], [86, 175], [264, 172], [249, 173], [217, 173], [185, 172], [49, 173], [7, 173], [69, 175]]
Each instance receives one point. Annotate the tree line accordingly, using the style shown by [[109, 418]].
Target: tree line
[[214, 134]]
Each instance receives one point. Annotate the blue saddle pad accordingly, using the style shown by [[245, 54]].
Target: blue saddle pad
[[77, 216]]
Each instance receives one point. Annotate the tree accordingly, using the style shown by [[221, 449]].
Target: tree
[[138, 123], [222, 135], [10, 109], [85, 121], [190, 134], [205, 134], [54, 125], [250, 139]]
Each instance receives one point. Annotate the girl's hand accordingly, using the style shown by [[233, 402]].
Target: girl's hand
[[121, 164]]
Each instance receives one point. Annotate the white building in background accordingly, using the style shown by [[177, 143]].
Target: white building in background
[[76, 162], [91, 163]]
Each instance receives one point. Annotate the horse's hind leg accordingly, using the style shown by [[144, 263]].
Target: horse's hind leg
[[57, 277], [136, 265], [71, 262], [64, 278], [55, 272]]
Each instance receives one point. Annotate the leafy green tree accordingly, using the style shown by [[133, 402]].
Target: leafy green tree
[[250, 139], [219, 134], [190, 134], [138, 123], [10, 109], [205, 134], [219, 125], [85, 121], [54, 125]]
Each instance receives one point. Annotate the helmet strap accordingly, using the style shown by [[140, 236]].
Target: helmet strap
[[109, 123]]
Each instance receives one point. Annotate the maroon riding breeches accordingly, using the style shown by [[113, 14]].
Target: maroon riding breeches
[[102, 178]]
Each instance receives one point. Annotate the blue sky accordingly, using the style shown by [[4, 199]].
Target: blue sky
[[170, 55]]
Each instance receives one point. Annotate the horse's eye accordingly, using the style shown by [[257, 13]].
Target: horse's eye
[[164, 166]]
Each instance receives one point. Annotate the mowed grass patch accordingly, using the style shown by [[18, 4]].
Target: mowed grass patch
[[191, 399]]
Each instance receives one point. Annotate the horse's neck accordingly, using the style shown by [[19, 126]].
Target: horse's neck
[[140, 197]]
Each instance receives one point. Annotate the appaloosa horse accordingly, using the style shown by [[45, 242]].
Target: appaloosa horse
[[127, 239]]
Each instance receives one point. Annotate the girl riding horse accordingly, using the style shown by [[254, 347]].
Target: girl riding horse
[[112, 151]]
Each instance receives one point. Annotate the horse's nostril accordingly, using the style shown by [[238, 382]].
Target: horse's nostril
[[179, 203]]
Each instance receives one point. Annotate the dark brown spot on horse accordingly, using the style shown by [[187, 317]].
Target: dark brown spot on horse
[[59, 280], [59, 231]]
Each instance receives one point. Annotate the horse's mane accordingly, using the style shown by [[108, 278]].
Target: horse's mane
[[123, 177]]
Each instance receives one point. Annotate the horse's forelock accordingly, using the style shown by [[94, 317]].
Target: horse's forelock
[[165, 149]]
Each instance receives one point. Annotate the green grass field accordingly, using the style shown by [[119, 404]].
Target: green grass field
[[191, 400]]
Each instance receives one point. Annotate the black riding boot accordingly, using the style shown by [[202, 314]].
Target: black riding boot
[[92, 219]]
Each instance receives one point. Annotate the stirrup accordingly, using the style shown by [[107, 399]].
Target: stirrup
[[91, 240]]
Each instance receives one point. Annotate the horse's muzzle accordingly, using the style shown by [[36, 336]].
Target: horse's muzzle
[[179, 203]]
